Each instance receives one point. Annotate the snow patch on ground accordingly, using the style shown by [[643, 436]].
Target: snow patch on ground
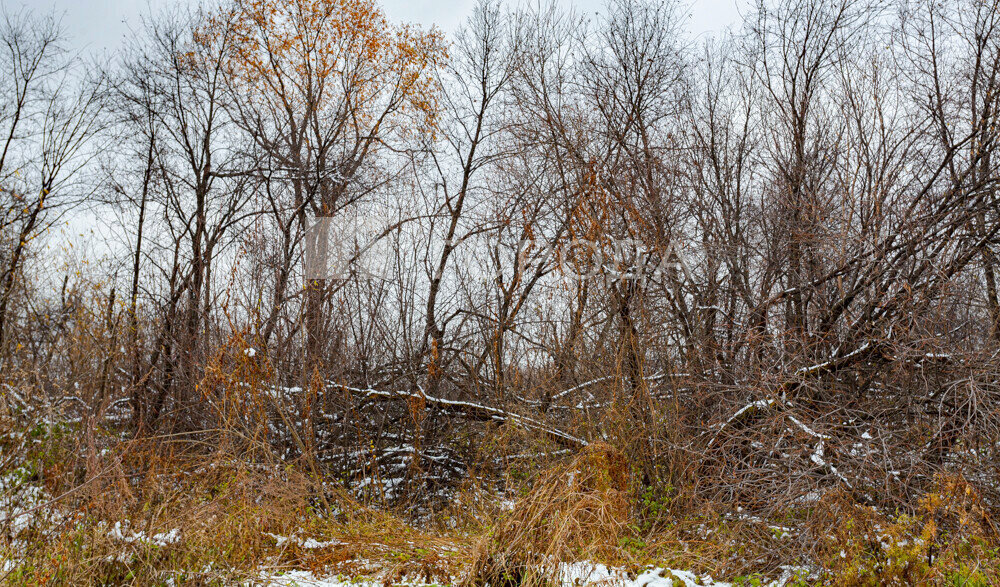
[[304, 543], [585, 573], [19, 502], [121, 531], [571, 575], [305, 578]]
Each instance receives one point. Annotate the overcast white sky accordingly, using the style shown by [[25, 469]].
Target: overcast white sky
[[97, 25]]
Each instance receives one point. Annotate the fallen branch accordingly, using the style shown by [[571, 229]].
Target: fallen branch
[[472, 411], [586, 384], [753, 408]]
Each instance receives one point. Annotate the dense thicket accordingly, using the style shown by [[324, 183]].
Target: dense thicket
[[764, 265]]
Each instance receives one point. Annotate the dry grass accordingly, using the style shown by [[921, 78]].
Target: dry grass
[[576, 512], [238, 519], [209, 520], [949, 540]]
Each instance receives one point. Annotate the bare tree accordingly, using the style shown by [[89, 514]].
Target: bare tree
[[49, 113]]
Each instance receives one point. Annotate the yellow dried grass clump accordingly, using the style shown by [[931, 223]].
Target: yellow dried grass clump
[[573, 513]]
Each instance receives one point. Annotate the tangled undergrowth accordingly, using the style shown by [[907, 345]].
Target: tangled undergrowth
[[155, 517], [169, 513]]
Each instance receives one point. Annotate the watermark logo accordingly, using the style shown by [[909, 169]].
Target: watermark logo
[[352, 245], [360, 245], [610, 259]]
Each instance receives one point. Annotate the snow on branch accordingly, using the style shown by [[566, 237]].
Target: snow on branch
[[473, 411]]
